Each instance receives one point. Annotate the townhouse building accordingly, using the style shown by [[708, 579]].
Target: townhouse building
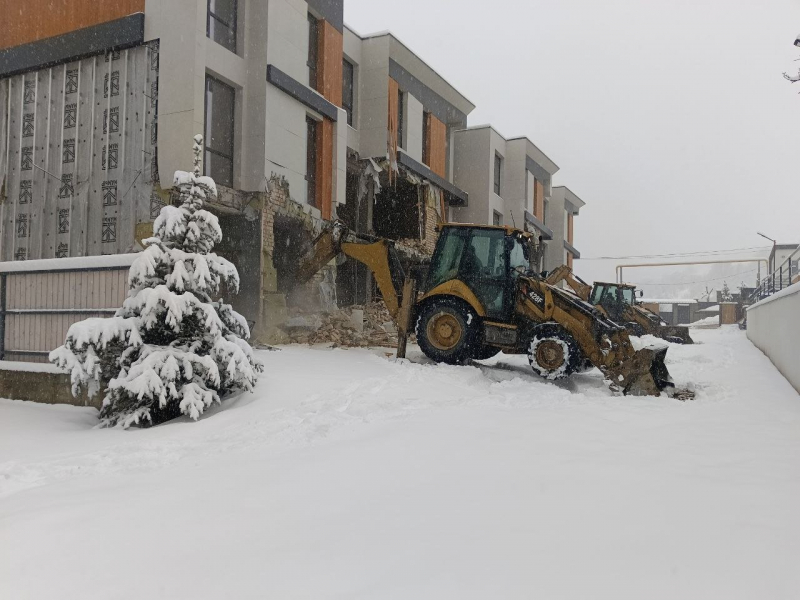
[[304, 121], [562, 209], [509, 182]]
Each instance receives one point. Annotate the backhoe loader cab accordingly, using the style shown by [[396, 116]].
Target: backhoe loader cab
[[618, 302], [614, 298]]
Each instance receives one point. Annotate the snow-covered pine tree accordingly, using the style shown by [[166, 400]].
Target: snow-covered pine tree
[[726, 295], [170, 349]]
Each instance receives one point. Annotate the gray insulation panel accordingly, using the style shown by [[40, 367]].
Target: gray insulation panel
[[78, 155]]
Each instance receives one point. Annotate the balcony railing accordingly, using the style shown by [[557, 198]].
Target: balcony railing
[[779, 279]]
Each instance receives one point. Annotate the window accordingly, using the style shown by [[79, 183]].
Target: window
[[628, 297], [447, 256], [426, 130], [497, 218], [348, 89], [313, 51], [221, 23], [498, 172], [311, 161], [401, 118], [220, 99]]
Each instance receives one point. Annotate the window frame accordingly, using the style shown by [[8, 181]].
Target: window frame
[[498, 174], [312, 155], [206, 137], [234, 28], [426, 127], [348, 104], [497, 218], [401, 119], [312, 60]]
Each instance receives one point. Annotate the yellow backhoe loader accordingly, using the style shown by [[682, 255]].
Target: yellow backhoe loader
[[617, 301], [479, 296]]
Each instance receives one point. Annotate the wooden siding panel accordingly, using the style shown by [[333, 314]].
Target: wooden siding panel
[[392, 125], [436, 140], [34, 20]]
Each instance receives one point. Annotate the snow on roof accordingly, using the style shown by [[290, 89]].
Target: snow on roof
[[68, 264], [666, 301]]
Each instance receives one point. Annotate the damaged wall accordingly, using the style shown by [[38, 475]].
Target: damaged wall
[[287, 232]]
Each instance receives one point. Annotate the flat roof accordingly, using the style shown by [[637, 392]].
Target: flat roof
[[417, 56]]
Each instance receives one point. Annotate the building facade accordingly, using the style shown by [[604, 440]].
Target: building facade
[[509, 182], [564, 206], [304, 121]]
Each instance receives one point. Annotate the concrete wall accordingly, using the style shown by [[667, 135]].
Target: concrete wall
[[412, 136], [515, 180], [41, 383], [373, 117], [473, 173], [774, 328], [555, 255]]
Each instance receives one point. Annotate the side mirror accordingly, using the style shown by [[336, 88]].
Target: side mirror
[[640, 293]]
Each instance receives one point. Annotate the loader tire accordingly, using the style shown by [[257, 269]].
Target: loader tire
[[553, 353], [448, 331]]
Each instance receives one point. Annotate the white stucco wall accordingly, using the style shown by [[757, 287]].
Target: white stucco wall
[[472, 172], [412, 135], [374, 95], [773, 325]]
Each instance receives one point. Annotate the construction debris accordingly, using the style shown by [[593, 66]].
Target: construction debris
[[358, 326]]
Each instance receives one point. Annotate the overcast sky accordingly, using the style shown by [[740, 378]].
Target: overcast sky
[[670, 119]]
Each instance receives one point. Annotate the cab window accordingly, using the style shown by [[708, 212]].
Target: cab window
[[447, 258], [518, 260], [627, 296], [598, 294]]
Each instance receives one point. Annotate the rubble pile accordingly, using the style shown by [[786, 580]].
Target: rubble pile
[[353, 326]]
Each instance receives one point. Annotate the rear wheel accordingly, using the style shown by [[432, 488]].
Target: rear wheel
[[553, 353], [447, 330]]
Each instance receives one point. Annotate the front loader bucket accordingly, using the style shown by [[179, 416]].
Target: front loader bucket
[[646, 374], [675, 334]]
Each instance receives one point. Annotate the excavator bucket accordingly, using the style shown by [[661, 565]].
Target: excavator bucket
[[646, 374]]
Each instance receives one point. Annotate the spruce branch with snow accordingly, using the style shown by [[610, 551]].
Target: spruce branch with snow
[[171, 349]]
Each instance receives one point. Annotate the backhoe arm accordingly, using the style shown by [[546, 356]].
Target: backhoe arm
[[375, 255], [564, 273]]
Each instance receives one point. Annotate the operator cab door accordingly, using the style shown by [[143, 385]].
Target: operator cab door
[[484, 268]]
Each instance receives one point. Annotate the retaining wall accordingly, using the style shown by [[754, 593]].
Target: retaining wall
[[773, 325]]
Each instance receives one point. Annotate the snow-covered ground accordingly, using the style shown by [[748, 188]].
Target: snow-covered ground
[[349, 475]]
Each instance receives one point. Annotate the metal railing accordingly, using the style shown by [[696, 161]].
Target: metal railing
[[779, 279]]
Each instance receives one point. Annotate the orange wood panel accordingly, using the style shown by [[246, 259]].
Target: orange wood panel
[[570, 229], [329, 71], [436, 140], [394, 108], [329, 84], [325, 143], [27, 21], [538, 200]]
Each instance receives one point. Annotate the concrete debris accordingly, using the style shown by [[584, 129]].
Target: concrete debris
[[358, 326]]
